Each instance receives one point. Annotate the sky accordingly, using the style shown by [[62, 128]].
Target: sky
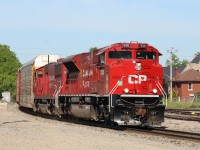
[[67, 27]]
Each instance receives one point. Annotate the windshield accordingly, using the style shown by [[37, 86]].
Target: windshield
[[145, 55], [120, 54]]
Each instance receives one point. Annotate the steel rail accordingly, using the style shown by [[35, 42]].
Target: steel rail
[[182, 117], [189, 136], [178, 134]]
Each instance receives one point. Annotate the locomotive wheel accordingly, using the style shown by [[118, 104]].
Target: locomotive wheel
[[106, 122]]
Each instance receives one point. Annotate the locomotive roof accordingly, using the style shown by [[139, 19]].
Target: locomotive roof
[[70, 58], [124, 44]]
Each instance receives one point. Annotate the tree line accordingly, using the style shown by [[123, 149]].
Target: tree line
[[9, 65], [176, 62]]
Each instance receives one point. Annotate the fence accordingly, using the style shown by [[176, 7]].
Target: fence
[[195, 98]]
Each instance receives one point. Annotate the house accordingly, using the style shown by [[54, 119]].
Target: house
[[194, 64], [186, 83]]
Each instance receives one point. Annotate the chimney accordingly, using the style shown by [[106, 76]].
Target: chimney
[[176, 73]]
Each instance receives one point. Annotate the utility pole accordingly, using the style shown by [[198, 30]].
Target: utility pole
[[171, 51]]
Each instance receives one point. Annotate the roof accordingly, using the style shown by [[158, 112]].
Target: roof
[[41, 60], [166, 72], [69, 58], [189, 75], [30, 62], [196, 59]]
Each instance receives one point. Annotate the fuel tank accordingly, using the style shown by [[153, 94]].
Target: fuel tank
[[83, 111]]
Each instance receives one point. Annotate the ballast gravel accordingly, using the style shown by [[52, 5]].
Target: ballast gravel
[[19, 131]]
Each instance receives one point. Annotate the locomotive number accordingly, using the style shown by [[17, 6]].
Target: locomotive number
[[136, 79]]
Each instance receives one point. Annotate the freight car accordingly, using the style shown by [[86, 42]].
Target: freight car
[[120, 83]]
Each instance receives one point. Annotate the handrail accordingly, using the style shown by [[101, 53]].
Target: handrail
[[55, 90], [112, 91], [116, 85], [161, 90]]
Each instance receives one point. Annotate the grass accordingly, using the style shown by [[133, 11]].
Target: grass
[[176, 104]]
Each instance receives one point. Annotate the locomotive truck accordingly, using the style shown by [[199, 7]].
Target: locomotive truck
[[120, 83]]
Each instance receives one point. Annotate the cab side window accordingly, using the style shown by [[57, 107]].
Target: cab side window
[[102, 58], [146, 55], [39, 74]]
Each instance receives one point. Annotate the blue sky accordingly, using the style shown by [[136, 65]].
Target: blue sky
[[67, 27]]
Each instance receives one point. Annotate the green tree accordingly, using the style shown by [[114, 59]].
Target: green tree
[[93, 49], [9, 65], [184, 62], [176, 61]]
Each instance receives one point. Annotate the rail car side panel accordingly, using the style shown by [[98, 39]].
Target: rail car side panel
[[18, 87], [26, 86]]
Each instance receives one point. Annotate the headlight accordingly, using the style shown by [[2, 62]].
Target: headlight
[[126, 90], [138, 66], [155, 91]]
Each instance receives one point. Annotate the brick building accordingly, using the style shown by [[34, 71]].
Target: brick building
[[186, 80], [166, 76], [186, 83]]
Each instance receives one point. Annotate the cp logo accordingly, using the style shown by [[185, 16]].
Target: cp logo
[[136, 79]]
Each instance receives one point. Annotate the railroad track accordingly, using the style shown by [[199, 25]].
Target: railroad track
[[181, 135], [160, 131], [194, 112], [178, 134], [183, 114]]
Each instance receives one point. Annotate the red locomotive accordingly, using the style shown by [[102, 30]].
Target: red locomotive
[[120, 83]]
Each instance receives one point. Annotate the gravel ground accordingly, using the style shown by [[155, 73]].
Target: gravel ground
[[189, 126], [23, 131]]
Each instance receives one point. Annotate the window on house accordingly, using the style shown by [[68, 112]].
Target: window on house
[[190, 87]]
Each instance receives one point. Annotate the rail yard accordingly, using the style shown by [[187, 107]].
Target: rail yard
[[183, 114], [20, 130], [100, 75], [110, 98]]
